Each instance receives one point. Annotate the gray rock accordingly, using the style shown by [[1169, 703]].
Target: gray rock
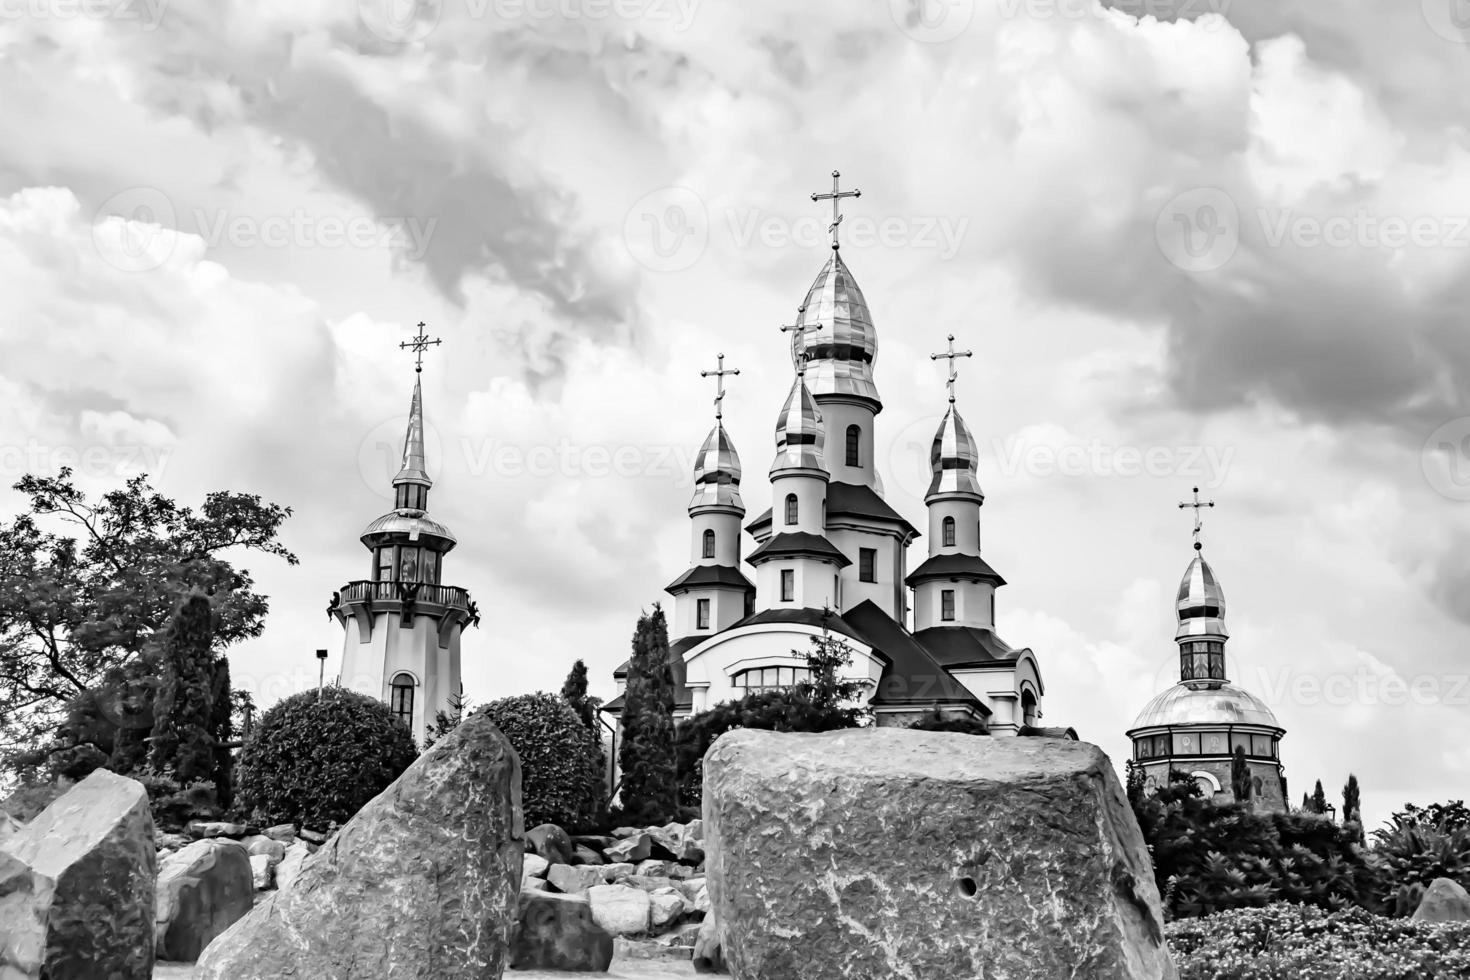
[[655, 869], [558, 932], [313, 836], [25, 903], [1444, 901], [291, 864], [96, 843], [260, 871], [647, 883], [620, 910], [204, 829], [694, 830], [593, 842], [421, 884], [708, 955], [631, 849], [1032, 866], [9, 827], [551, 842], [573, 880], [171, 842], [623, 832], [534, 866], [283, 832], [533, 885], [582, 854], [616, 872], [267, 847], [665, 907], [203, 889]]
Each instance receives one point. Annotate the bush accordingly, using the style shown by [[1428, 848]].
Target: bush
[[1284, 941], [314, 762], [174, 806], [562, 778], [938, 721], [1418, 846]]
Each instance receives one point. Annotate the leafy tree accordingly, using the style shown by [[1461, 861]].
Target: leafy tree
[[1240, 776], [184, 712], [574, 690], [562, 779], [1136, 783], [1418, 845], [649, 786], [85, 585]]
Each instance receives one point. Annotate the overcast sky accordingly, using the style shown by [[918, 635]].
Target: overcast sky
[[1227, 250]]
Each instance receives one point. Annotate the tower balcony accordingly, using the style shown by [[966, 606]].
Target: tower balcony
[[363, 600]]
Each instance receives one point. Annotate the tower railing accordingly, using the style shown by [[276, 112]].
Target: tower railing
[[393, 591]]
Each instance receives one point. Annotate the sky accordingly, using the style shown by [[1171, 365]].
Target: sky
[[1210, 243]]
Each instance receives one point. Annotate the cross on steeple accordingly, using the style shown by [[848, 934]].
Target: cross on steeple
[[950, 355], [418, 345], [719, 376], [835, 197], [1197, 504]]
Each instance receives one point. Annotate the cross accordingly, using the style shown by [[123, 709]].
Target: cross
[[418, 345], [1197, 504], [719, 376], [835, 197], [950, 355]]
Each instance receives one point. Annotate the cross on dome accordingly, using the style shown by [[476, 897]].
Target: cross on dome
[[836, 197], [950, 355], [418, 345], [1198, 524], [719, 376]]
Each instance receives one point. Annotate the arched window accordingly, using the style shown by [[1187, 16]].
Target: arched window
[[948, 530], [709, 544], [770, 678], [854, 441], [790, 509], [1028, 708], [401, 700]]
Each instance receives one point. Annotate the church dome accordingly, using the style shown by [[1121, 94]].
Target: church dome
[[1200, 603], [836, 332], [717, 472], [954, 458], [799, 433], [409, 524], [1205, 703]]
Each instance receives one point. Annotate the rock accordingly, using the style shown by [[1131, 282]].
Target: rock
[[95, 842], [265, 846], [646, 883], [9, 827], [25, 902], [534, 866], [260, 871], [283, 832], [203, 889], [573, 880], [421, 883], [655, 869], [649, 949], [593, 842], [685, 935], [204, 829], [550, 842], [694, 830], [631, 849], [171, 842], [683, 871], [623, 832], [558, 932], [708, 956], [290, 865], [616, 872], [696, 894], [673, 831], [533, 885], [1032, 865], [621, 911], [312, 836], [690, 853], [665, 906], [1444, 901], [586, 855]]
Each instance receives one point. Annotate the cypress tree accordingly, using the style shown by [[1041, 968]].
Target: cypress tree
[[647, 757], [1240, 776], [184, 712], [1319, 799], [222, 731], [574, 691], [1352, 805]]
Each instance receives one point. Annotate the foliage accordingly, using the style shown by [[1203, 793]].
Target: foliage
[[446, 721], [31, 797], [1318, 802], [826, 689], [646, 757], [561, 761], [221, 732], [1283, 940], [80, 601], [183, 713], [1419, 845], [317, 757], [937, 721], [1352, 805], [173, 806], [574, 691], [1240, 776]]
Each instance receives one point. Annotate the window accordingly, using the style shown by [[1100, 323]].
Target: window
[[946, 605], [854, 441], [992, 609], [788, 585], [401, 701], [408, 564], [701, 614], [709, 544], [770, 678], [430, 570], [790, 509], [1028, 709], [411, 496], [867, 564], [385, 564], [948, 527]]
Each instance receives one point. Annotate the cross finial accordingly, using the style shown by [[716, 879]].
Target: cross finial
[[797, 329], [719, 375], [835, 197], [418, 345], [950, 355], [1197, 504]]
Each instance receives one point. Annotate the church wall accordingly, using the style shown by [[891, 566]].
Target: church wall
[[966, 514], [369, 668], [888, 565], [816, 584], [727, 538], [972, 604], [811, 503], [837, 415], [727, 607], [709, 667]]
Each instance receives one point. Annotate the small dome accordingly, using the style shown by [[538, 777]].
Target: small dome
[[1200, 603], [836, 332], [1205, 703], [954, 459], [717, 472], [411, 524], [799, 433]]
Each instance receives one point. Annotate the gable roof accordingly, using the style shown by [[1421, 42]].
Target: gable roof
[[912, 675], [802, 544], [704, 576], [851, 500], [967, 646]]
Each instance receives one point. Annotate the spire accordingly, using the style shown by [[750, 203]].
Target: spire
[[799, 433], [1199, 606], [414, 469], [954, 459]]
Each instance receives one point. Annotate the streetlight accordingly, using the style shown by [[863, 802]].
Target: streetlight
[[321, 676]]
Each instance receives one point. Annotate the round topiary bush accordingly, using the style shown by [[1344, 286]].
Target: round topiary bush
[[313, 761], [561, 760]]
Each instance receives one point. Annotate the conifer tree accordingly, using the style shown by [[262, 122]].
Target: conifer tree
[[574, 691], [1352, 805], [647, 757], [184, 712], [222, 731], [1319, 799], [1240, 776]]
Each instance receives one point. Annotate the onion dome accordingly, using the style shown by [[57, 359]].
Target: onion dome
[[1200, 604], [836, 331], [954, 459], [717, 473], [1214, 703], [799, 433], [414, 468], [408, 526]]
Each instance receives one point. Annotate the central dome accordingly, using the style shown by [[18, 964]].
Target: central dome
[[836, 331], [1205, 703]]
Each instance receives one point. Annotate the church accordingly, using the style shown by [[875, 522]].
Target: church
[[832, 556]]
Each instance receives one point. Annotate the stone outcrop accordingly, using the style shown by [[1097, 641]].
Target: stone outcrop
[[421, 884], [557, 932], [1444, 901], [926, 855], [95, 843], [203, 889], [25, 903]]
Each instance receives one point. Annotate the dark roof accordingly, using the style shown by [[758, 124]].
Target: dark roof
[[1068, 732], [966, 646], [912, 675], [677, 649], [851, 500], [710, 575], [955, 566], [806, 617], [802, 543]]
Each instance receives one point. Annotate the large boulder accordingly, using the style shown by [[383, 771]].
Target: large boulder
[[203, 889], [557, 932], [1021, 853], [422, 883], [708, 956], [1445, 901], [25, 903], [630, 849], [620, 910], [291, 864], [551, 842], [96, 843]]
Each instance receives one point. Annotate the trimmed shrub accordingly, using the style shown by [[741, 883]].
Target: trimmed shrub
[[561, 760], [938, 721], [314, 762], [1286, 940]]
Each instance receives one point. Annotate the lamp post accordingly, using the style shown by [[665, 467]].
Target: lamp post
[[321, 676]]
